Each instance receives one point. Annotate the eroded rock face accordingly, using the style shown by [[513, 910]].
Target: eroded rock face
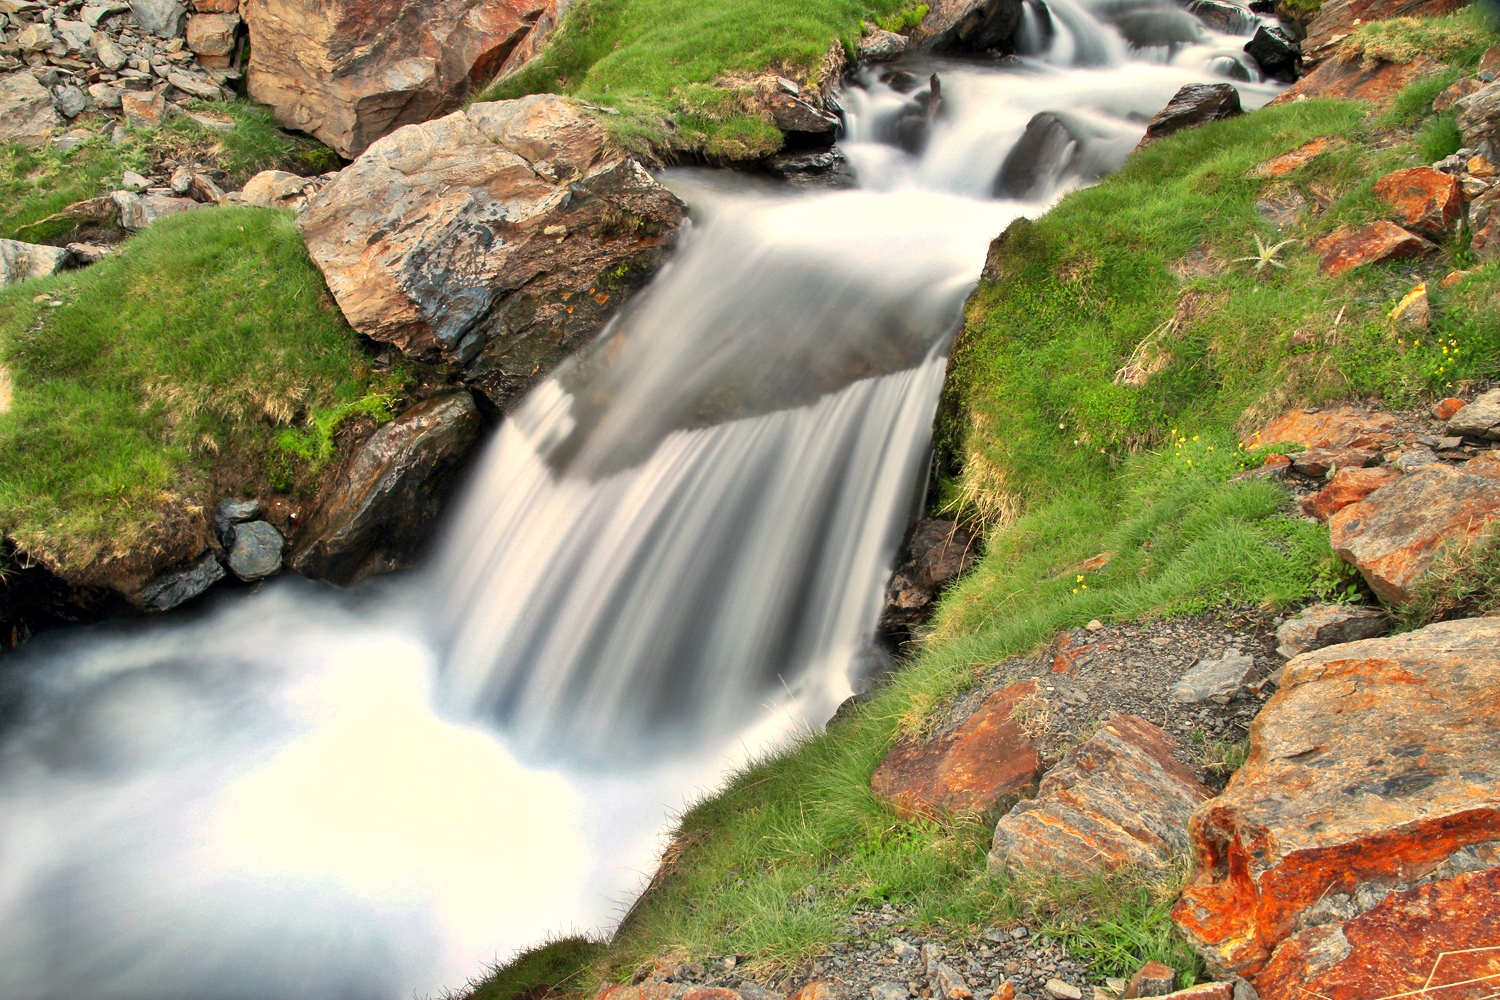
[[1352, 80], [1345, 249], [1121, 798], [351, 71], [1425, 201], [498, 238], [936, 552], [1324, 820], [1194, 105], [1337, 18], [387, 501], [985, 760]]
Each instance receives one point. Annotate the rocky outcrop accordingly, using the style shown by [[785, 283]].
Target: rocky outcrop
[[935, 553], [1479, 117], [1349, 485], [1345, 249], [1195, 104], [499, 238], [1321, 625], [1425, 201], [178, 586], [386, 502], [1336, 19], [1121, 798], [979, 765], [1353, 80], [26, 112], [1329, 820], [1339, 427], [350, 72], [969, 26]]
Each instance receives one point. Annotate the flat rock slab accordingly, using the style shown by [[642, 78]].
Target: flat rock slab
[[1279, 166], [1342, 427], [1394, 534], [1348, 486], [1121, 798], [985, 760], [1217, 680], [1345, 249], [1352, 80], [1480, 418], [1320, 625], [1326, 814]]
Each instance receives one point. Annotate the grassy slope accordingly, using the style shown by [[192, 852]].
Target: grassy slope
[[656, 61], [209, 334]]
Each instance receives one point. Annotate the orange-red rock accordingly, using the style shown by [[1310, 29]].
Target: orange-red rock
[[1486, 463], [1443, 409], [1348, 486], [1337, 18], [1425, 201], [1287, 162], [1437, 940], [1341, 427], [645, 991], [817, 989], [1455, 93], [1346, 248], [973, 768], [1121, 798], [1320, 461], [1153, 979], [1393, 535], [1373, 765], [1351, 80]]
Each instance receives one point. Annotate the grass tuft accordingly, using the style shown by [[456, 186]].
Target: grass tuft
[[1464, 582], [1459, 38]]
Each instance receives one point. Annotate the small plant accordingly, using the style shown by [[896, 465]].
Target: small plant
[[1218, 755], [1265, 256], [904, 20]]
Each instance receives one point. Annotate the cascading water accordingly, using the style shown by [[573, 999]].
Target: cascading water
[[671, 559]]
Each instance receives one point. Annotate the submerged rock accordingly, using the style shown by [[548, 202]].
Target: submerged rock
[[823, 169], [1227, 18], [1055, 148]]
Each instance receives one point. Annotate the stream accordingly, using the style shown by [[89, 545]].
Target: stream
[[668, 563]]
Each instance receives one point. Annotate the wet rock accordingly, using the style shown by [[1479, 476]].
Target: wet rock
[[955, 26], [1427, 940], [350, 72], [1480, 419], [1217, 680], [385, 504], [805, 126], [1345, 248], [1349, 485], [1320, 625], [137, 211], [1394, 534], [1195, 104], [1227, 18], [1057, 147], [499, 238], [1322, 461], [935, 553], [1339, 427], [1152, 980], [1352, 80], [879, 45], [27, 114], [823, 169], [1336, 19], [984, 761], [1121, 798], [1425, 201], [162, 18], [24, 261], [180, 586], [1304, 154], [256, 550], [1323, 818], [1276, 52], [232, 512]]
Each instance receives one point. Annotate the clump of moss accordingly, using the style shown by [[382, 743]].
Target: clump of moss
[[1458, 38]]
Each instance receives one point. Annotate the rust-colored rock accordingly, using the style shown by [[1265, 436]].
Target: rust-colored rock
[[1443, 409], [1341, 427], [351, 71], [1352, 80], [1336, 19], [1153, 979], [1348, 486], [1121, 798], [1321, 461], [1434, 940], [1455, 93], [1425, 201], [1373, 765], [1279, 166], [1486, 464], [974, 768], [1345, 249], [1394, 534], [816, 989], [499, 238]]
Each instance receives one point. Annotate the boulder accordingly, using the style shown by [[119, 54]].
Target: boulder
[[499, 238], [232, 512], [1195, 104], [935, 553], [805, 126], [212, 36], [27, 114], [1336, 19], [1121, 798], [162, 18], [1340, 427], [1425, 201], [1394, 534], [1320, 625], [1227, 18], [1353, 80], [350, 71], [1154, 979], [1320, 462], [1345, 248], [386, 502], [878, 45], [24, 261], [137, 211], [1057, 146], [182, 585], [255, 550], [985, 761], [1480, 419], [1324, 820], [1276, 52], [1279, 166], [70, 102], [1217, 680], [969, 26], [1349, 485]]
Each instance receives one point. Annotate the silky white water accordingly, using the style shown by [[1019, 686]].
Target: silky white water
[[669, 560]]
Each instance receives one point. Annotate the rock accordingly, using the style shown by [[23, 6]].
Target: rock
[[1227, 18], [1321, 461], [1340, 427], [879, 45], [350, 72], [1209, 991], [180, 586], [160, 17], [1411, 458], [212, 34], [1276, 52], [1445, 409], [386, 502], [1059, 990], [256, 550], [1056, 147], [949, 984], [105, 96], [1152, 980], [979, 765], [1413, 312], [889, 991], [27, 114], [1394, 534], [1320, 625], [1281, 208], [70, 101], [1448, 98], [1352, 80], [954, 26], [1345, 249], [1489, 64], [435, 240], [822, 169], [143, 110], [1336, 19], [34, 38], [231, 512], [1214, 680], [139, 211], [1121, 798], [1426, 201], [75, 34], [1279, 166], [132, 181], [195, 86], [816, 989], [110, 55], [1275, 466], [275, 189], [1479, 419], [24, 261], [1195, 104], [1428, 940], [1349, 485], [1324, 820], [805, 126], [88, 253], [934, 554]]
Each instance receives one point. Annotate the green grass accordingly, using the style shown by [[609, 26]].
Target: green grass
[[658, 62], [1464, 581], [200, 342], [1459, 38], [556, 967]]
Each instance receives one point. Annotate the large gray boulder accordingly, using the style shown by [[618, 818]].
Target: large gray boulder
[[24, 261], [160, 17], [27, 114]]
